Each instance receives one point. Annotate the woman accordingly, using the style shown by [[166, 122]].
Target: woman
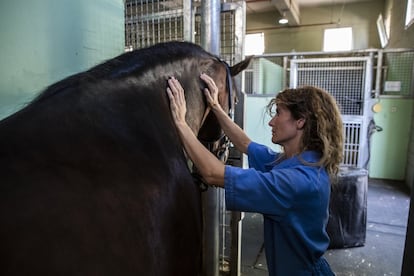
[[292, 188]]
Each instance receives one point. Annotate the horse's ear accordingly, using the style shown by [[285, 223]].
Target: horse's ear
[[237, 68]]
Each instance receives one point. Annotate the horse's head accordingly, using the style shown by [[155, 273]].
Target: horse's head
[[210, 133]]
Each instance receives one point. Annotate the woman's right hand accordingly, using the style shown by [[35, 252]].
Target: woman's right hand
[[236, 135], [211, 92]]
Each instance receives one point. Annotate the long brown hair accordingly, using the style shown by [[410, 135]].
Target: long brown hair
[[322, 131]]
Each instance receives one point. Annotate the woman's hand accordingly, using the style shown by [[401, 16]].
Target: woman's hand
[[211, 92], [211, 169], [177, 101], [236, 135]]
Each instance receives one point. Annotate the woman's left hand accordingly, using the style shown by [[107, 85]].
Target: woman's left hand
[[177, 101]]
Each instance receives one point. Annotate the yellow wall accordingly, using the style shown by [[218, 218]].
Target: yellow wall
[[309, 36]]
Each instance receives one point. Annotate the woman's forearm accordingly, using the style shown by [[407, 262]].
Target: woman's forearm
[[210, 168], [236, 135]]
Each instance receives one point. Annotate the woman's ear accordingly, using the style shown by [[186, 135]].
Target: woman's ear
[[300, 123]]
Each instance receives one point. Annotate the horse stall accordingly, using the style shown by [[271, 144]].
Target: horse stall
[[67, 38], [151, 22]]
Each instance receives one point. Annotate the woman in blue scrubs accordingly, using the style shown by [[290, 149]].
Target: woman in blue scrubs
[[290, 188]]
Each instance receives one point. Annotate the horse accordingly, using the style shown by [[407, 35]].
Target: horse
[[94, 179]]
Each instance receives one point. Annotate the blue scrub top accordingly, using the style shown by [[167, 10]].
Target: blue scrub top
[[293, 198]]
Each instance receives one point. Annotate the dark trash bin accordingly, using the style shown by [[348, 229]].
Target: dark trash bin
[[348, 208]]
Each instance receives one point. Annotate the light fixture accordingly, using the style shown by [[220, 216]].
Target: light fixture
[[283, 19]]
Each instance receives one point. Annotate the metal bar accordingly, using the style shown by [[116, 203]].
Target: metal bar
[[210, 26], [339, 68], [331, 59], [293, 73], [367, 113], [152, 26], [285, 72], [289, 54], [140, 41], [239, 9], [138, 27], [236, 232], [210, 41], [188, 26], [378, 74]]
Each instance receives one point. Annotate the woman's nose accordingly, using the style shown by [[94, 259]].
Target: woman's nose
[[271, 121]]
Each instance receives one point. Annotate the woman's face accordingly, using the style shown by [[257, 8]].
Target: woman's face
[[285, 129]]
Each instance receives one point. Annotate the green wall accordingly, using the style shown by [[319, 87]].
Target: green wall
[[390, 146], [257, 119], [43, 41], [267, 76]]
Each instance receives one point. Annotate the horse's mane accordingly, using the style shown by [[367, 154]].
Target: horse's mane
[[124, 65]]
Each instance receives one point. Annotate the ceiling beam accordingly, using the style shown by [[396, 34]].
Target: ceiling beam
[[290, 8]]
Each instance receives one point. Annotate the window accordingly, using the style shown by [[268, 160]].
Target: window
[[382, 32], [409, 18], [337, 39], [254, 44]]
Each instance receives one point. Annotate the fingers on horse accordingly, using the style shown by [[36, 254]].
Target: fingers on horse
[[171, 85], [208, 80], [177, 89], [170, 95], [212, 87], [207, 93]]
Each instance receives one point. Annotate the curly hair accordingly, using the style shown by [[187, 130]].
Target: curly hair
[[322, 131]]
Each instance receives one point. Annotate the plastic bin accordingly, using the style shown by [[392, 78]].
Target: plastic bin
[[348, 209]]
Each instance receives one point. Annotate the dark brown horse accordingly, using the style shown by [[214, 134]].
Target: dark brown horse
[[94, 180]]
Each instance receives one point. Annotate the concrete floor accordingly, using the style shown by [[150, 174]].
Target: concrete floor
[[387, 213]]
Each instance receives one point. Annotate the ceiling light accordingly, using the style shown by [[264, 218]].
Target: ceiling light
[[284, 19]]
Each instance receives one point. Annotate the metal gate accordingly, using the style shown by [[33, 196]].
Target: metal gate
[[148, 22], [151, 22], [349, 80]]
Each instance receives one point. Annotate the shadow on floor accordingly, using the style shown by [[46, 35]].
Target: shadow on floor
[[387, 214]]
